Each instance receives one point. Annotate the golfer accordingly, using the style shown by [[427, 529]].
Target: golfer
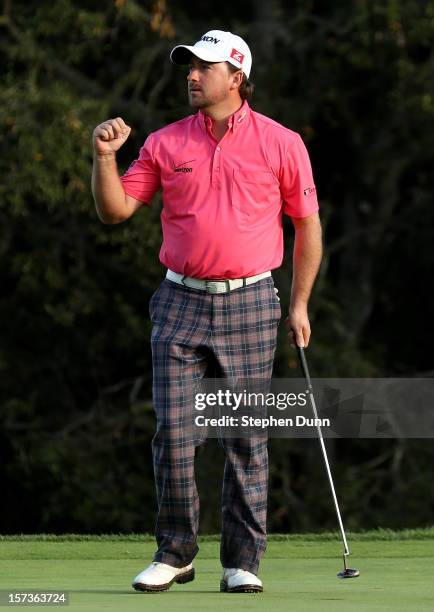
[[227, 174]]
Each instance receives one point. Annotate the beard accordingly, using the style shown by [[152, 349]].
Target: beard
[[200, 100]]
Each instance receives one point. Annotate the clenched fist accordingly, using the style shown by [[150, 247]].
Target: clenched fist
[[109, 136]]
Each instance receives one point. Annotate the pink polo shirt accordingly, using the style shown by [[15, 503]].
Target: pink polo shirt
[[223, 201]]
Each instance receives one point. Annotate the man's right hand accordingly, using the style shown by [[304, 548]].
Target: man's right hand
[[109, 136]]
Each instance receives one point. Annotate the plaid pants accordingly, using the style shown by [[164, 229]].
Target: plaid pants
[[195, 334]]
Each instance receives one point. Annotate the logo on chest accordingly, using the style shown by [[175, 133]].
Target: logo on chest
[[183, 167]]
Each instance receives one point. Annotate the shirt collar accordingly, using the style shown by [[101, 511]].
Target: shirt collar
[[235, 121]]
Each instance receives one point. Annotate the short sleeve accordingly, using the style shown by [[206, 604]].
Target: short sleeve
[[142, 179], [296, 181]]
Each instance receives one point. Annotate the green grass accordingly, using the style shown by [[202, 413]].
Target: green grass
[[425, 533], [299, 573]]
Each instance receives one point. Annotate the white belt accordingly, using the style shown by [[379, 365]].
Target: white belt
[[214, 286]]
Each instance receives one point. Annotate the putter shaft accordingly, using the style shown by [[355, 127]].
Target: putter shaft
[[305, 369]]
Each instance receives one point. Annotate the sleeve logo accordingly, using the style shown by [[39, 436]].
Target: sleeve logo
[[309, 191], [237, 56]]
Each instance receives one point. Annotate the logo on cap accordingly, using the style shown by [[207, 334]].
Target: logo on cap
[[210, 39], [237, 56]]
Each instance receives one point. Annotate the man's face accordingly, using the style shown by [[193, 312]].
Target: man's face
[[208, 83]]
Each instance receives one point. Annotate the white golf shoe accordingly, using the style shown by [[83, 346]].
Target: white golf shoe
[[236, 580], [160, 577]]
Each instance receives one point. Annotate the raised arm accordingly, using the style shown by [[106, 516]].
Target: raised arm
[[113, 205]]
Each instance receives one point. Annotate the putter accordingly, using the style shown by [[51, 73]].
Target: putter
[[346, 572]]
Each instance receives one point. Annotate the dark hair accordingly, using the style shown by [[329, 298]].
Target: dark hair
[[246, 88]]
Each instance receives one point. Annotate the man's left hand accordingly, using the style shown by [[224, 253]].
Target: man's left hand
[[298, 326]]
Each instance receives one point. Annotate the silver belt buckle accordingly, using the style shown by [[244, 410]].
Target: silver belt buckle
[[212, 286]]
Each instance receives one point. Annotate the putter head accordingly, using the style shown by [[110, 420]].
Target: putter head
[[349, 573]]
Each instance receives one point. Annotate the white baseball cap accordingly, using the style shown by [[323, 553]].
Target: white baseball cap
[[216, 46]]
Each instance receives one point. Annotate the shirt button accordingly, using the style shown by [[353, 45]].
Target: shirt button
[[218, 148]]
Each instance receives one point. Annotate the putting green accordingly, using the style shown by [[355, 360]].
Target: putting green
[[298, 572]]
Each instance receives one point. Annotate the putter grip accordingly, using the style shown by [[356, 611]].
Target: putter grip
[[303, 363]]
